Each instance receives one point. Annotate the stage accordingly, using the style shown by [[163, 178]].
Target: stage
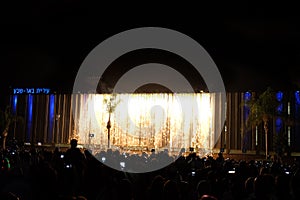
[[142, 122]]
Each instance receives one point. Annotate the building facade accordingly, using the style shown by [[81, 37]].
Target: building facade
[[51, 119]]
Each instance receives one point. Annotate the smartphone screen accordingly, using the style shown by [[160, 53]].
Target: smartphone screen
[[122, 164]]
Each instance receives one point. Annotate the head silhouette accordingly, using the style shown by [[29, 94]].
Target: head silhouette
[[73, 143]]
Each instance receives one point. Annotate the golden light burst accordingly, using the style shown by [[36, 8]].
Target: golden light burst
[[158, 120]]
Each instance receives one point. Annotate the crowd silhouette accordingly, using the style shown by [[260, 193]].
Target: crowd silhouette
[[34, 173]]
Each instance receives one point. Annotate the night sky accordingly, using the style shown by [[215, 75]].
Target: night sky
[[254, 46]]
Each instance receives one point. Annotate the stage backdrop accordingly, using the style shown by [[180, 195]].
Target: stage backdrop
[[147, 121]]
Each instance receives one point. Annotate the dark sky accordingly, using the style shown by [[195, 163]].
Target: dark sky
[[254, 45]]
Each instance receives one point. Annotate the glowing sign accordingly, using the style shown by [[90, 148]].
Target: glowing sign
[[31, 91]]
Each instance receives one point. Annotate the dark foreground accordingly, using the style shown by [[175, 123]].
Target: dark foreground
[[34, 174]]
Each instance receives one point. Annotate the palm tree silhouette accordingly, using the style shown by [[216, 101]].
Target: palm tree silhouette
[[262, 109]]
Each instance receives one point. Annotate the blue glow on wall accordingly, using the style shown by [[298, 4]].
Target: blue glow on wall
[[297, 97], [297, 105], [29, 117], [279, 96], [14, 104], [247, 97], [51, 117], [278, 125], [297, 118], [278, 121], [280, 108]]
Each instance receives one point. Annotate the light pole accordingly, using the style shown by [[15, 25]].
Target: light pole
[[108, 126]]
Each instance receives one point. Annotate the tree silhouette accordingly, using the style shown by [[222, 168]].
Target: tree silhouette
[[262, 110], [111, 105], [7, 119]]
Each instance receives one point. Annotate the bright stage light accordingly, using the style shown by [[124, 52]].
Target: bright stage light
[[152, 121]]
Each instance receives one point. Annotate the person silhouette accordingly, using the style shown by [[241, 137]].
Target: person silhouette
[[74, 163], [74, 155]]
